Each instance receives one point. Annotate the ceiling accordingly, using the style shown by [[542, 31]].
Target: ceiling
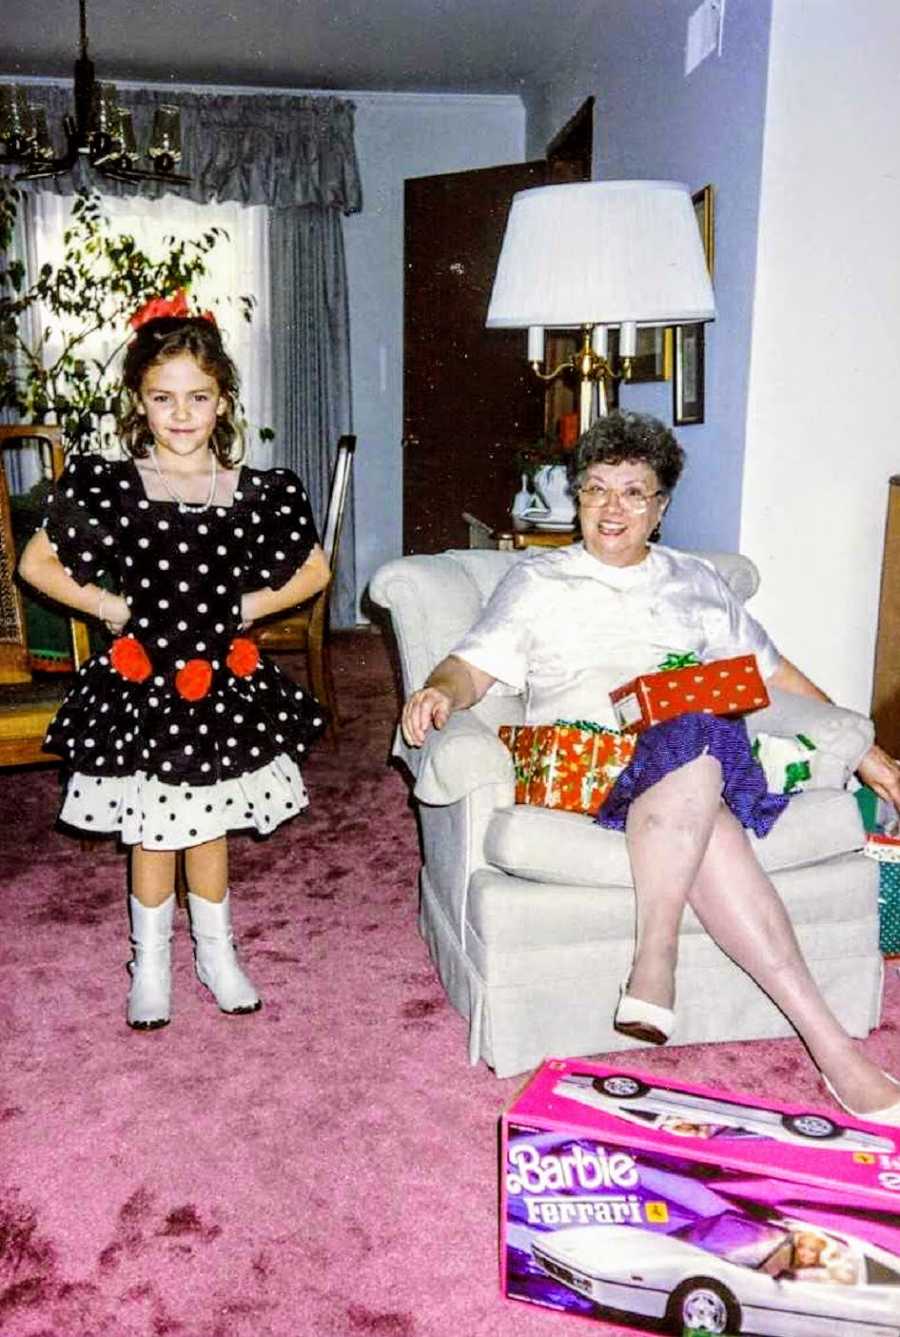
[[468, 46]]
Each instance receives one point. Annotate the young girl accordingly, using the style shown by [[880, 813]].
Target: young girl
[[179, 733]]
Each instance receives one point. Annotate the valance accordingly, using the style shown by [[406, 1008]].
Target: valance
[[256, 148]]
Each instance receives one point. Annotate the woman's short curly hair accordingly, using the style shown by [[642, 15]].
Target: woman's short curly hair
[[156, 342], [633, 438]]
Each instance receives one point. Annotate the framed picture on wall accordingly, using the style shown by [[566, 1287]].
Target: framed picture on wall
[[688, 382], [653, 356]]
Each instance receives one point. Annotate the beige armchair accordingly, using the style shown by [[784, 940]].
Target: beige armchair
[[528, 913]]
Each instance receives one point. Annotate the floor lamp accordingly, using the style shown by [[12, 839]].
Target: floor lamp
[[598, 254]]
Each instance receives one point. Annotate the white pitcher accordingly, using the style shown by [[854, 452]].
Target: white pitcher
[[551, 483], [523, 500]]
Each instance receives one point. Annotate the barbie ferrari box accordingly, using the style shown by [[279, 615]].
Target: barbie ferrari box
[[664, 1207]]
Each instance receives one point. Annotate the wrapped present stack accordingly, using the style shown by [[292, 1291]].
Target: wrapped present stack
[[682, 686], [571, 764]]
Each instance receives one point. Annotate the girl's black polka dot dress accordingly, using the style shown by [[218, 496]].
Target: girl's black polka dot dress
[[178, 734]]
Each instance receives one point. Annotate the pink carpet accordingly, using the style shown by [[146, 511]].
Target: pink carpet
[[325, 1168]]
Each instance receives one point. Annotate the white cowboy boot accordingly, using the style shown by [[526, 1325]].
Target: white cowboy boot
[[151, 971], [215, 957]]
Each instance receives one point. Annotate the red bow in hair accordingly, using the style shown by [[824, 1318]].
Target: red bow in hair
[[166, 306]]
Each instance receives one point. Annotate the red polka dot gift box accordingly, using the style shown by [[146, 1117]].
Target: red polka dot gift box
[[678, 687]]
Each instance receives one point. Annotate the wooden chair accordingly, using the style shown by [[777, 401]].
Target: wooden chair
[[307, 628], [28, 702]]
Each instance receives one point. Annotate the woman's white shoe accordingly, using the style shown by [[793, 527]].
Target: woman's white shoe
[[215, 957], [889, 1114], [149, 998], [643, 1021]]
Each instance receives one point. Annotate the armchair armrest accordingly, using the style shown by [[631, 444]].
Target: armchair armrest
[[463, 756], [842, 735]]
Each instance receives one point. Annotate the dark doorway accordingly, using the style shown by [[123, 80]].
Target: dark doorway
[[470, 400]]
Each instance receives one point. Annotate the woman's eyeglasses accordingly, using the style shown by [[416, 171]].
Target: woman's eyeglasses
[[631, 499]]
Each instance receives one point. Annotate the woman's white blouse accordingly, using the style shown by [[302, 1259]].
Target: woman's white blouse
[[566, 629]]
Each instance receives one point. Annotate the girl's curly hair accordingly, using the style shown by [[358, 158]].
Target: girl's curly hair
[[632, 438], [156, 342]]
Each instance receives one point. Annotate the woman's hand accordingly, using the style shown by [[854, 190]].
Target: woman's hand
[[881, 773], [454, 685], [428, 708]]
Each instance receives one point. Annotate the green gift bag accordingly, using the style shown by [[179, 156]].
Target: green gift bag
[[889, 909], [886, 851], [867, 801]]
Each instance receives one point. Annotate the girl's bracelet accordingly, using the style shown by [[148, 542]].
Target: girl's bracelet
[[103, 594]]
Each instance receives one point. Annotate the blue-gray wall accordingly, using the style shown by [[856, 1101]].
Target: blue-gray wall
[[653, 122], [400, 135]]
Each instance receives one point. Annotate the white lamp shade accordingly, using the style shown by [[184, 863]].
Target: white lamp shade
[[601, 252]]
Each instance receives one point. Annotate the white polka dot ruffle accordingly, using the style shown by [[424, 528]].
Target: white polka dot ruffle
[[146, 811]]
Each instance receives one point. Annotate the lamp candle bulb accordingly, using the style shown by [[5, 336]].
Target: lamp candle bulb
[[535, 343], [628, 338], [600, 340]]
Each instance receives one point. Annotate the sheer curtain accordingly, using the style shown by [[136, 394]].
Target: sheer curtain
[[238, 264]]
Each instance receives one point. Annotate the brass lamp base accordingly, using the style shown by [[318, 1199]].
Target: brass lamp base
[[592, 370]]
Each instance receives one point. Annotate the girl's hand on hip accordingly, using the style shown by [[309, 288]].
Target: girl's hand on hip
[[249, 609], [114, 612]]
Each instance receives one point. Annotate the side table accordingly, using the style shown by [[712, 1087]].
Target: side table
[[515, 535]]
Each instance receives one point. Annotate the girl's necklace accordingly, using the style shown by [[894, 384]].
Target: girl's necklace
[[183, 505]]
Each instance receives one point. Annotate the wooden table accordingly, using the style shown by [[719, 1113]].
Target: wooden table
[[515, 534]]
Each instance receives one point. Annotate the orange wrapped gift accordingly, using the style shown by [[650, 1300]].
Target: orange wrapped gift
[[566, 765], [722, 687]]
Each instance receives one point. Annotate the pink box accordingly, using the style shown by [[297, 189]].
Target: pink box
[[640, 1200]]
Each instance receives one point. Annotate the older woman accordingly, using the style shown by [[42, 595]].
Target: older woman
[[569, 624]]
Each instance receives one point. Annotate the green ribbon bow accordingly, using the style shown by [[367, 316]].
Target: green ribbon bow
[[586, 726], [794, 773], [689, 660]]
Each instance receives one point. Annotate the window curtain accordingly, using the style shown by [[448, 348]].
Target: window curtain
[[260, 148], [311, 366], [297, 156], [23, 467]]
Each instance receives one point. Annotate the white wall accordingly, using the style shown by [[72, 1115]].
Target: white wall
[[822, 425], [399, 136], [653, 121]]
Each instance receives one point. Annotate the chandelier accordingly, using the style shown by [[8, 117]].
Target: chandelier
[[100, 131]]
